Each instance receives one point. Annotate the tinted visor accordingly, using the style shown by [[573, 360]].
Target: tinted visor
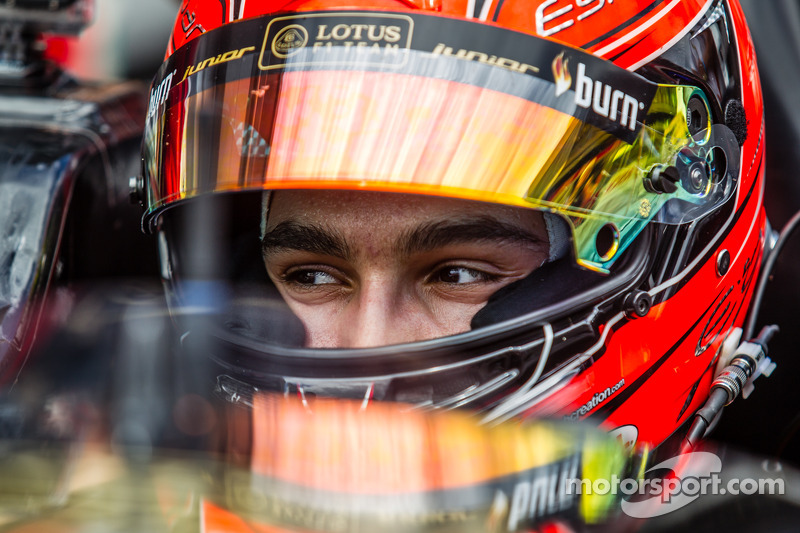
[[426, 104]]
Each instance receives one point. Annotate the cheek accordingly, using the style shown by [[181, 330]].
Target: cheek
[[322, 325], [450, 318], [336, 326]]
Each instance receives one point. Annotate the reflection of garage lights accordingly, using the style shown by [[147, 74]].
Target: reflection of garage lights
[[20, 236]]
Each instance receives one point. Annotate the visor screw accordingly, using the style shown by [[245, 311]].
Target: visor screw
[[723, 262], [662, 179], [136, 189], [699, 174], [637, 304]]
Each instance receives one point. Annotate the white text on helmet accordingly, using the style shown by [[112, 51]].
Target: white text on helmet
[[564, 14], [158, 95], [605, 100], [597, 399]]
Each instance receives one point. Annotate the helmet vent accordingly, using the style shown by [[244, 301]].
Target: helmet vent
[[607, 242]]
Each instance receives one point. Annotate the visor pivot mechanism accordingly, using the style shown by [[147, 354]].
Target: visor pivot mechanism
[[696, 115], [662, 179]]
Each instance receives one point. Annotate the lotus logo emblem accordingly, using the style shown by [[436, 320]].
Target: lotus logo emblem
[[561, 74], [289, 40]]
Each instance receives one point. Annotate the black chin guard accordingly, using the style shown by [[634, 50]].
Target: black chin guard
[[552, 282]]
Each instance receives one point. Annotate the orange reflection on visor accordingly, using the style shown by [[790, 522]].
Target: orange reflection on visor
[[440, 125], [385, 448], [390, 132]]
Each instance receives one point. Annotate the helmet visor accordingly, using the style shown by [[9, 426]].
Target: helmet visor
[[431, 105]]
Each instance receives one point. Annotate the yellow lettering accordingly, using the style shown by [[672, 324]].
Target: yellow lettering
[[341, 32], [227, 56], [473, 54], [222, 58], [243, 51], [371, 33], [392, 34], [358, 28], [321, 33], [507, 63]]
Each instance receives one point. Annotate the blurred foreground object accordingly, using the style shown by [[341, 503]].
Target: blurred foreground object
[[339, 465], [66, 151], [114, 428], [112, 402]]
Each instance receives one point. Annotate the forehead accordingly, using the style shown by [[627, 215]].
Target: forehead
[[381, 210]]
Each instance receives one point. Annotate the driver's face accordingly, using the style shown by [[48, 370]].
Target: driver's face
[[365, 269]]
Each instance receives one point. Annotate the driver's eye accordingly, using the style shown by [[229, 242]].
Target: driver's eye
[[460, 275], [311, 277]]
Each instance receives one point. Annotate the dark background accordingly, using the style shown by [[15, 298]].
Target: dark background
[[768, 422]]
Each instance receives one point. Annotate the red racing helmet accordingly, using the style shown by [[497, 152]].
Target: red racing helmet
[[635, 127]]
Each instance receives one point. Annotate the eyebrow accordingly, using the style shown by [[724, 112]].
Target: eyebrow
[[437, 234], [291, 235]]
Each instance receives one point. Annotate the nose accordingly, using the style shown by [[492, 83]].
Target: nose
[[382, 314]]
